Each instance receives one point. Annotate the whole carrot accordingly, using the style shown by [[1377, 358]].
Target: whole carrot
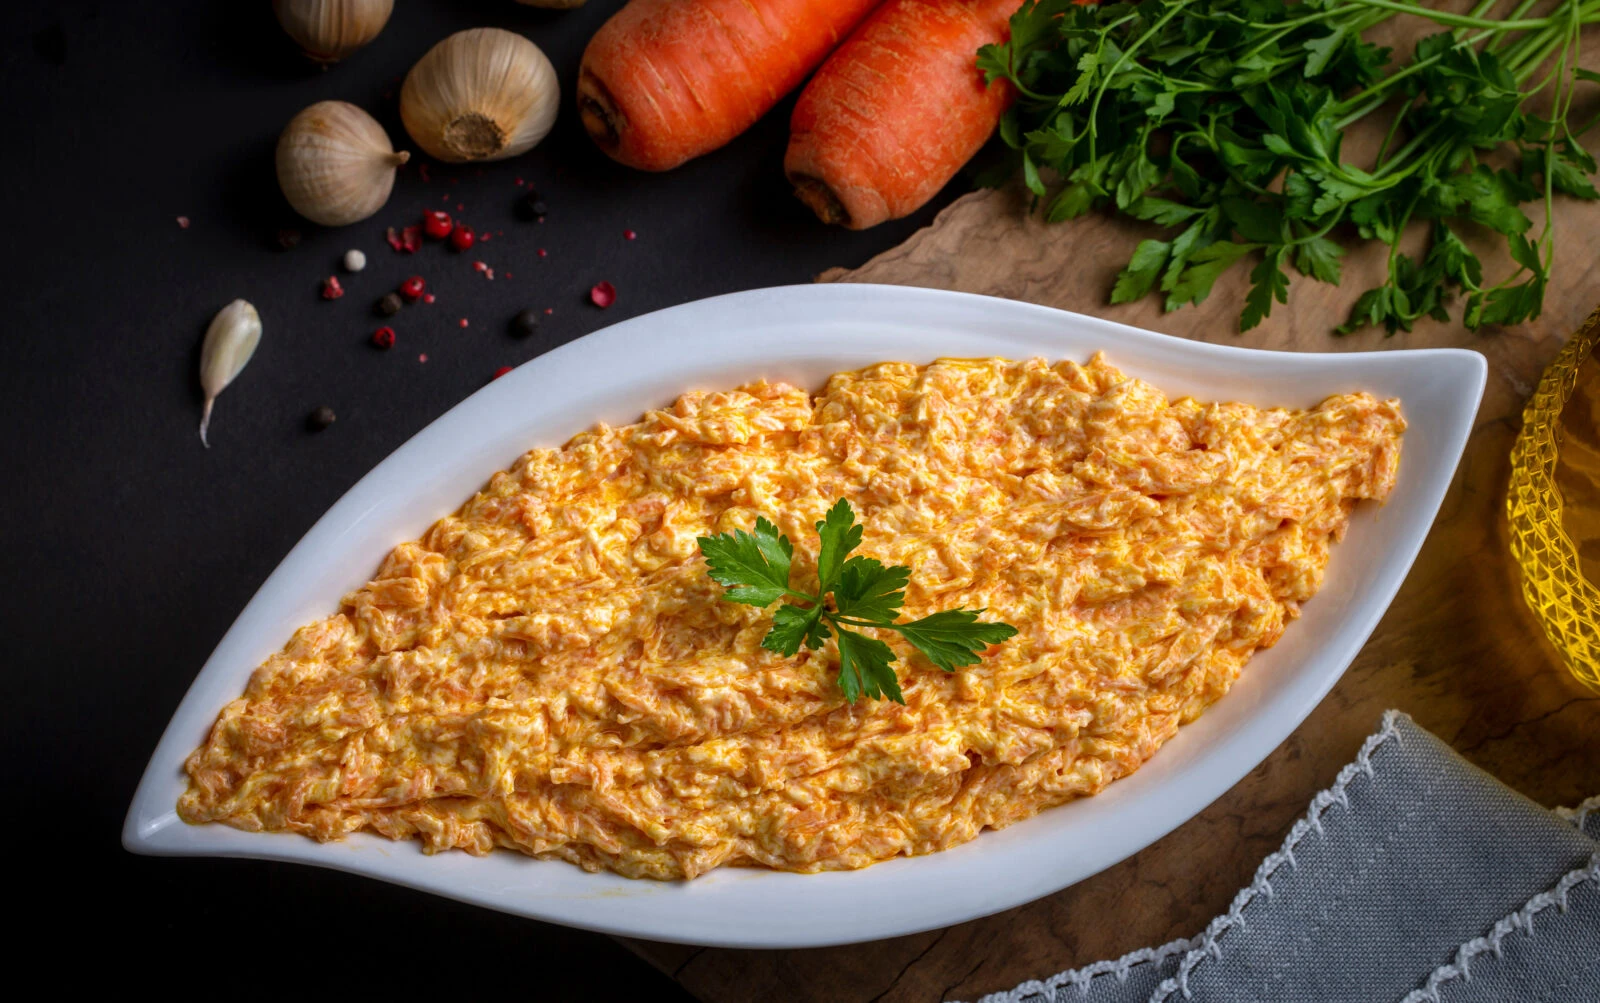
[[895, 112], [665, 81]]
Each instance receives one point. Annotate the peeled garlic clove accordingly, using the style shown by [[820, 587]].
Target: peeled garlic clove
[[335, 163], [483, 94], [230, 341], [329, 30]]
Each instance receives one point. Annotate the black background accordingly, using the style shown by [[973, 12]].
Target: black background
[[129, 549]]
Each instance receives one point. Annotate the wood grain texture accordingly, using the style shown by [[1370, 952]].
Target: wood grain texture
[[1457, 650]]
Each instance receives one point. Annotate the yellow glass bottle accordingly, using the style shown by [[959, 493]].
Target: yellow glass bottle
[[1543, 521]]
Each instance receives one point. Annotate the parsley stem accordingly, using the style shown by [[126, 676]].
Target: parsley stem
[[835, 618], [1394, 128], [1105, 81], [1458, 20], [1374, 97]]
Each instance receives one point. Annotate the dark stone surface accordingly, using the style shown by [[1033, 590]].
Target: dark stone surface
[[130, 548]]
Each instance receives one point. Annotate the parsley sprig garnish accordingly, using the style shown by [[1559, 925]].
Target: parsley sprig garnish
[[851, 592], [1221, 121]]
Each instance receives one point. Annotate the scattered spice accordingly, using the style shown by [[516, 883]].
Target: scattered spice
[[488, 272], [629, 235], [437, 224], [354, 260], [423, 357], [461, 207], [543, 253], [383, 337], [422, 172], [183, 222], [288, 238], [389, 305], [549, 310], [429, 298], [331, 289], [501, 371], [411, 289], [461, 238], [230, 341], [405, 241], [321, 418], [603, 294], [525, 323], [520, 182], [529, 205], [463, 322], [487, 236]]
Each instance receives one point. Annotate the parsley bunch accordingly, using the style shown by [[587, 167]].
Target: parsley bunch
[[1223, 118], [865, 593]]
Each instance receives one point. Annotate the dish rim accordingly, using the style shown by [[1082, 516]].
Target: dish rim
[[720, 909]]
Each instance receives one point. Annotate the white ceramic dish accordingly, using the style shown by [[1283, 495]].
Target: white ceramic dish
[[802, 334]]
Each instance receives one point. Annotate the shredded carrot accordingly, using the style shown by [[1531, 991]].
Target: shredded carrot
[[895, 112], [665, 81]]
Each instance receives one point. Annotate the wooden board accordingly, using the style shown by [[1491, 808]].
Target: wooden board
[[1457, 650]]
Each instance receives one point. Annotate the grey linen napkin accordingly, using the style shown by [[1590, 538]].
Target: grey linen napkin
[[1415, 878]]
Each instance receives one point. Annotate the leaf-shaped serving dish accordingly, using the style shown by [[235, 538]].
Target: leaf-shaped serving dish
[[802, 334]]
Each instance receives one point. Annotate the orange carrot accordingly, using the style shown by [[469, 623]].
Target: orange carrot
[[895, 112], [665, 81]]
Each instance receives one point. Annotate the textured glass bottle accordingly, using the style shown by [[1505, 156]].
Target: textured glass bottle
[[1553, 537]]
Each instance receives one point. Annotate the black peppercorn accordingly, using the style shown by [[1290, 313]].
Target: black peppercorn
[[530, 206], [388, 306], [288, 239], [525, 323], [320, 419]]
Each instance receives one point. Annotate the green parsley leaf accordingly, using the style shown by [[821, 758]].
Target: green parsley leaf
[[840, 534], [1319, 258], [866, 593], [1206, 265], [954, 637], [869, 591], [793, 625], [1161, 211], [1140, 276], [754, 566], [1267, 283], [866, 669]]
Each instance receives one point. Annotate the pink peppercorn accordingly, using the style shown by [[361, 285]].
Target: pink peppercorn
[[383, 337], [331, 289], [462, 237], [603, 294], [411, 288], [437, 224]]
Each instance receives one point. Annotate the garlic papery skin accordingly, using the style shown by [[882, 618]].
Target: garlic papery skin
[[335, 163], [230, 341], [483, 94], [330, 30]]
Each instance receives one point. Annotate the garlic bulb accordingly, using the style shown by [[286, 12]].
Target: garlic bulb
[[335, 164], [230, 341], [483, 94], [329, 30]]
